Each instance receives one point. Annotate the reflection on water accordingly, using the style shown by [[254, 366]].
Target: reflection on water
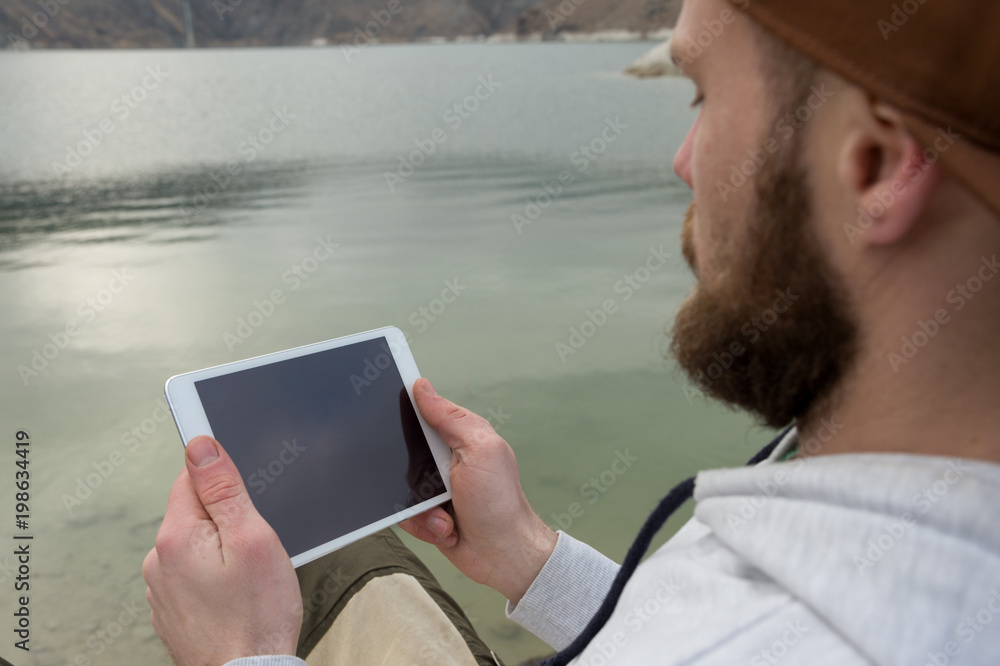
[[199, 251], [124, 210]]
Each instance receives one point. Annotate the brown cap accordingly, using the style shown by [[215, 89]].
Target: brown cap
[[937, 62]]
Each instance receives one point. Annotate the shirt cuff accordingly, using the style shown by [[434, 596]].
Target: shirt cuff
[[566, 593], [268, 660]]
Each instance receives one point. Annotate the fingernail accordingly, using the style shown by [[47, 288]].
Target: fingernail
[[438, 526], [202, 451], [428, 388]]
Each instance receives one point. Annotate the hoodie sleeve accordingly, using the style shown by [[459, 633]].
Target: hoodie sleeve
[[566, 594], [270, 660]]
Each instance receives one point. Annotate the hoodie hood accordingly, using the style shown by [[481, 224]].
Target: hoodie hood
[[898, 554]]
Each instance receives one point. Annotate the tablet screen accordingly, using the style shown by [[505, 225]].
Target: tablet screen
[[326, 443]]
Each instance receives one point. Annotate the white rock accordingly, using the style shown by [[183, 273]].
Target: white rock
[[600, 36], [655, 63]]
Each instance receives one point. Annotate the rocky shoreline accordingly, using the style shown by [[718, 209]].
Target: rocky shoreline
[[111, 24]]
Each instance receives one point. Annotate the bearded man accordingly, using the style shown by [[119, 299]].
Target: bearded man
[[871, 217]]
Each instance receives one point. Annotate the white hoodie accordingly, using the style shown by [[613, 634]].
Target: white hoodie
[[828, 561], [840, 560]]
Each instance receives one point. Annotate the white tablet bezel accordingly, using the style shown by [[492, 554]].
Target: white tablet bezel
[[191, 420]]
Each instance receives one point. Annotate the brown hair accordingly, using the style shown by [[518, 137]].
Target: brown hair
[[789, 74]]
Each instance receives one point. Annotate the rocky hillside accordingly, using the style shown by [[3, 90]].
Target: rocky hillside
[[550, 17], [160, 23]]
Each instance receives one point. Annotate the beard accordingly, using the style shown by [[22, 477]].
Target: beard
[[773, 333]]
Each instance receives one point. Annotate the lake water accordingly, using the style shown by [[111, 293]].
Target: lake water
[[150, 201]]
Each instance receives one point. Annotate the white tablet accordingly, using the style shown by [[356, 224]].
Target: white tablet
[[327, 437]]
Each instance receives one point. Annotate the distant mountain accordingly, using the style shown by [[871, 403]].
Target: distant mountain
[[160, 23], [551, 17]]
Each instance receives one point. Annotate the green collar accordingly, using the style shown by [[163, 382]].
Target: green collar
[[789, 454]]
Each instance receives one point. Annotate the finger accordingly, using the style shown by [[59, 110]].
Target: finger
[[458, 427], [218, 485], [437, 521], [418, 529], [435, 527]]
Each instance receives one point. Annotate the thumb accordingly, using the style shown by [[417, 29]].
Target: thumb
[[218, 483], [458, 427]]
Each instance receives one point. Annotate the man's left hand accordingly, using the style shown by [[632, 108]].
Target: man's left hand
[[221, 585]]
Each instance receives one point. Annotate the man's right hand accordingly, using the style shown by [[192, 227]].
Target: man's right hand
[[495, 537]]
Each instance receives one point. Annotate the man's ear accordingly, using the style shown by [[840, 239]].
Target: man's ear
[[886, 171]]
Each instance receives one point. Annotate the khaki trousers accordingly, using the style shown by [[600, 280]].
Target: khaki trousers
[[374, 603]]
